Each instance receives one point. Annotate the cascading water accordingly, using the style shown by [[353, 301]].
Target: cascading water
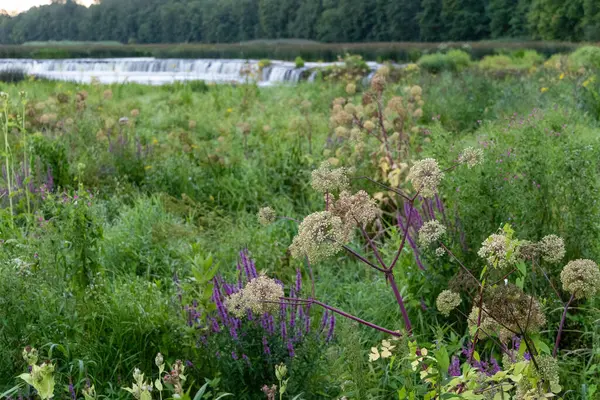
[[160, 71]]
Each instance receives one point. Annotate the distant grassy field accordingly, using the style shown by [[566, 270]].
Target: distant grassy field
[[282, 50]]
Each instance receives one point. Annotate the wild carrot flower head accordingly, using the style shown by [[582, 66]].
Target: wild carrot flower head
[[355, 209], [499, 250], [552, 248], [261, 295], [426, 176], [471, 156], [266, 216], [320, 235], [447, 301], [327, 180], [430, 232], [581, 278]]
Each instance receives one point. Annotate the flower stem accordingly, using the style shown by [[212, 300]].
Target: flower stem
[[400, 300], [561, 326]]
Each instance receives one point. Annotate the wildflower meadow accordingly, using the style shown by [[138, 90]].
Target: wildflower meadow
[[419, 231]]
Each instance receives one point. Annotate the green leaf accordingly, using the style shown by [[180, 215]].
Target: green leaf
[[402, 394], [201, 391], [443, 359], [520, 282], [27, 378], [540, 345], [522, 268]]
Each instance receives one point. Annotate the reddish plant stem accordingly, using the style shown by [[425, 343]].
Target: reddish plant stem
[[391, 189], [400, 300], [460, 263], [410, 213], [549, 281], [361, 258], [292, 300], [383, 130], [372, 245], [475, 337], [561, 326]]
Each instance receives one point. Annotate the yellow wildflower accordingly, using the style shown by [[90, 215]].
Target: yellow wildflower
[[544, 89], [154, 141], [147, 167], [374, 356], [230, 110], [561, 76]]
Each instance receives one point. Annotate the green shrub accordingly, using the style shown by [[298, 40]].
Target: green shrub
[[299, 62], [519, 61], [454, 60], [585, 57]]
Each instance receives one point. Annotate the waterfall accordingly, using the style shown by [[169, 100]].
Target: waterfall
[[154, 71]]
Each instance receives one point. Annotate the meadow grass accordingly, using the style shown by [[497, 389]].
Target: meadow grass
[[95, 275]]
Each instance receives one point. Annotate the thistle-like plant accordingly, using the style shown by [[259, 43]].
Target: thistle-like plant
[[40, 376]]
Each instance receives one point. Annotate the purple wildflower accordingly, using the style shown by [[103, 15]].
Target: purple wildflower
[[454, 368], [331, 328], [266, 348]]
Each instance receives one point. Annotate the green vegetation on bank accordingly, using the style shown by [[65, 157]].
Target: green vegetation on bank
[[281, 50]]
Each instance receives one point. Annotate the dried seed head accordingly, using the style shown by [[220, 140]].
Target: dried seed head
[[581, 278], [355, 209], [369, 125], [416, 91], [447, 301], [320, 235], [378, 83], [488, 327], [266, 216], [341, 132], [471, 156], [327, 180], [430, 232], [351, 89], [528, 250], [552, 248], [514, 309], [261, 295], [341, 117], [426, 176]]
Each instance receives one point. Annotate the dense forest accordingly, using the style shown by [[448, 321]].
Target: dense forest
[[222, 21]]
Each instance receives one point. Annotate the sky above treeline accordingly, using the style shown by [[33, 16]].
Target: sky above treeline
[[16, 6]]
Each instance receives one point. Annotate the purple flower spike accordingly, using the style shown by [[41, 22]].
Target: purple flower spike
[[331, 328], [266, 348], [290, 348], [454, 368]]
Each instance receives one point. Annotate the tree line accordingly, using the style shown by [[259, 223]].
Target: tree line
[[226, 21]]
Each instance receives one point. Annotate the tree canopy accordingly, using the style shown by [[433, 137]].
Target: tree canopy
[[223, 21]]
